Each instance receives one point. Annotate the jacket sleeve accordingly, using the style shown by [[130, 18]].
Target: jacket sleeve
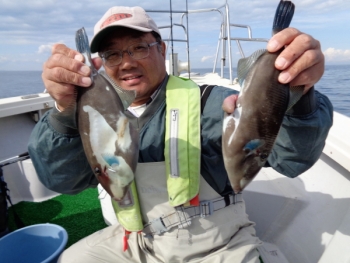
[[302, 136], [58, 157]]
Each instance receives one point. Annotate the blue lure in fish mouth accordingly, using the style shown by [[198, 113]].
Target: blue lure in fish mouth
[[110, 159], [253, 146]]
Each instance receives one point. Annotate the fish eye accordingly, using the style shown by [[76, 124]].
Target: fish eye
[[264, 156], [97, 171]]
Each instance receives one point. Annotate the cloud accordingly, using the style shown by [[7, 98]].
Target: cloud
[[205, 58], [45, 48], [3, 59], [28, 28], [337, 55]]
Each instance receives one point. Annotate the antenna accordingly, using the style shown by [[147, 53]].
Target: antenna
[[172, 37], [188, 43]]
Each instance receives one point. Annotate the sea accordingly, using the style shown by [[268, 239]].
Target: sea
[[335, 83]]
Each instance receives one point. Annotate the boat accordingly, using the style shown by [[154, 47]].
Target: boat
[[305, 219]]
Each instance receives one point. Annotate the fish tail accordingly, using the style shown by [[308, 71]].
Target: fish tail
[[82, 44], [68, 117], [283, 16]]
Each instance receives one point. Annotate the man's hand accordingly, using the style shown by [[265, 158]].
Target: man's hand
[[301, 62], [229, 104], [64, 70]]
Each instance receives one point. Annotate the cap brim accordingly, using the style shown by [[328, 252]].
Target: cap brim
[[96, 40]]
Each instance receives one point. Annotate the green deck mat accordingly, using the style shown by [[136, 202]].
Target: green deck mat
[[80, 214]]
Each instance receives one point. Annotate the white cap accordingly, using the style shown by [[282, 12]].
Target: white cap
[[131, 17]]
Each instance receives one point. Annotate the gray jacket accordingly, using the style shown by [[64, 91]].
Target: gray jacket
[[60, 161]]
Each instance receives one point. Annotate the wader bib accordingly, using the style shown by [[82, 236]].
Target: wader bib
[[225, 236]]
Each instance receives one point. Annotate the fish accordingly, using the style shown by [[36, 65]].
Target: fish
[[249, 133], [109, 140]]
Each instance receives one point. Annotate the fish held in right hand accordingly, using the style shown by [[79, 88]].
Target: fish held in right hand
[[110, 141], [249, 133]]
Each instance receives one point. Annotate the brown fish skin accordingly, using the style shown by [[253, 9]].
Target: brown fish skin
[[250, 132], [107, 135]]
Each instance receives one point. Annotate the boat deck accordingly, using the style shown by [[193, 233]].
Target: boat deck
[[213, 79]]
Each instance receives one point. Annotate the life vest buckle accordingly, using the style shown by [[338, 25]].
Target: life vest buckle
[[158, 226], [207, 208]]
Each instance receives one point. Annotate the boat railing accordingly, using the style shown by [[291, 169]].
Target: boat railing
[[174, 69], [224, 40], [249, 38]]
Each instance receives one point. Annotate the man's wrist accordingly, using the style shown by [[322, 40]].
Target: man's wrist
[[61, 122], [306, 104]]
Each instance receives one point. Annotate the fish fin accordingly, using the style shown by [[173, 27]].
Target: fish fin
[[82, 44], [283, 16], [295, 93], [126, 96], [237, 189], [244, 182], [245, 64], [68, 116]]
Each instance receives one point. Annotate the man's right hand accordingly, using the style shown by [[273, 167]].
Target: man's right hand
[[64, 70]]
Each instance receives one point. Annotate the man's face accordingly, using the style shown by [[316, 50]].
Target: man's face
[[144, 75]]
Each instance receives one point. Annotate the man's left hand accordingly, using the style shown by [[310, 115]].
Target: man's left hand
[[302, 60]]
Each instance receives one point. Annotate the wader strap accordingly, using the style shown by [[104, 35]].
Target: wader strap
[[205, 92], [181, 216]]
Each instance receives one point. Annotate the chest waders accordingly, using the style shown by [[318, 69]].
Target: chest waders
[[182, 154]]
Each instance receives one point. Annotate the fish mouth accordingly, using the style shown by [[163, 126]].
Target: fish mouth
[[118, 193]]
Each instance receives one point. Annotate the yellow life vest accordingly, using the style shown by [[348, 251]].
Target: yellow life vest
[[182, 152]]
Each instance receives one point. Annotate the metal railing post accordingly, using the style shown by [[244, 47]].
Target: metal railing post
[[229, 41]]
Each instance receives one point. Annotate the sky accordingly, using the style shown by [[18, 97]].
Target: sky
[[29, 28]]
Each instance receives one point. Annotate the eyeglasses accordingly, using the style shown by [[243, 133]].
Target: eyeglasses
[[136, 51]]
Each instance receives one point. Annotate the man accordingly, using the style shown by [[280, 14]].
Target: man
[[224, 236]]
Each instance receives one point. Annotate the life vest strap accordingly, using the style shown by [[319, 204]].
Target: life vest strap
[[182, 216]]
